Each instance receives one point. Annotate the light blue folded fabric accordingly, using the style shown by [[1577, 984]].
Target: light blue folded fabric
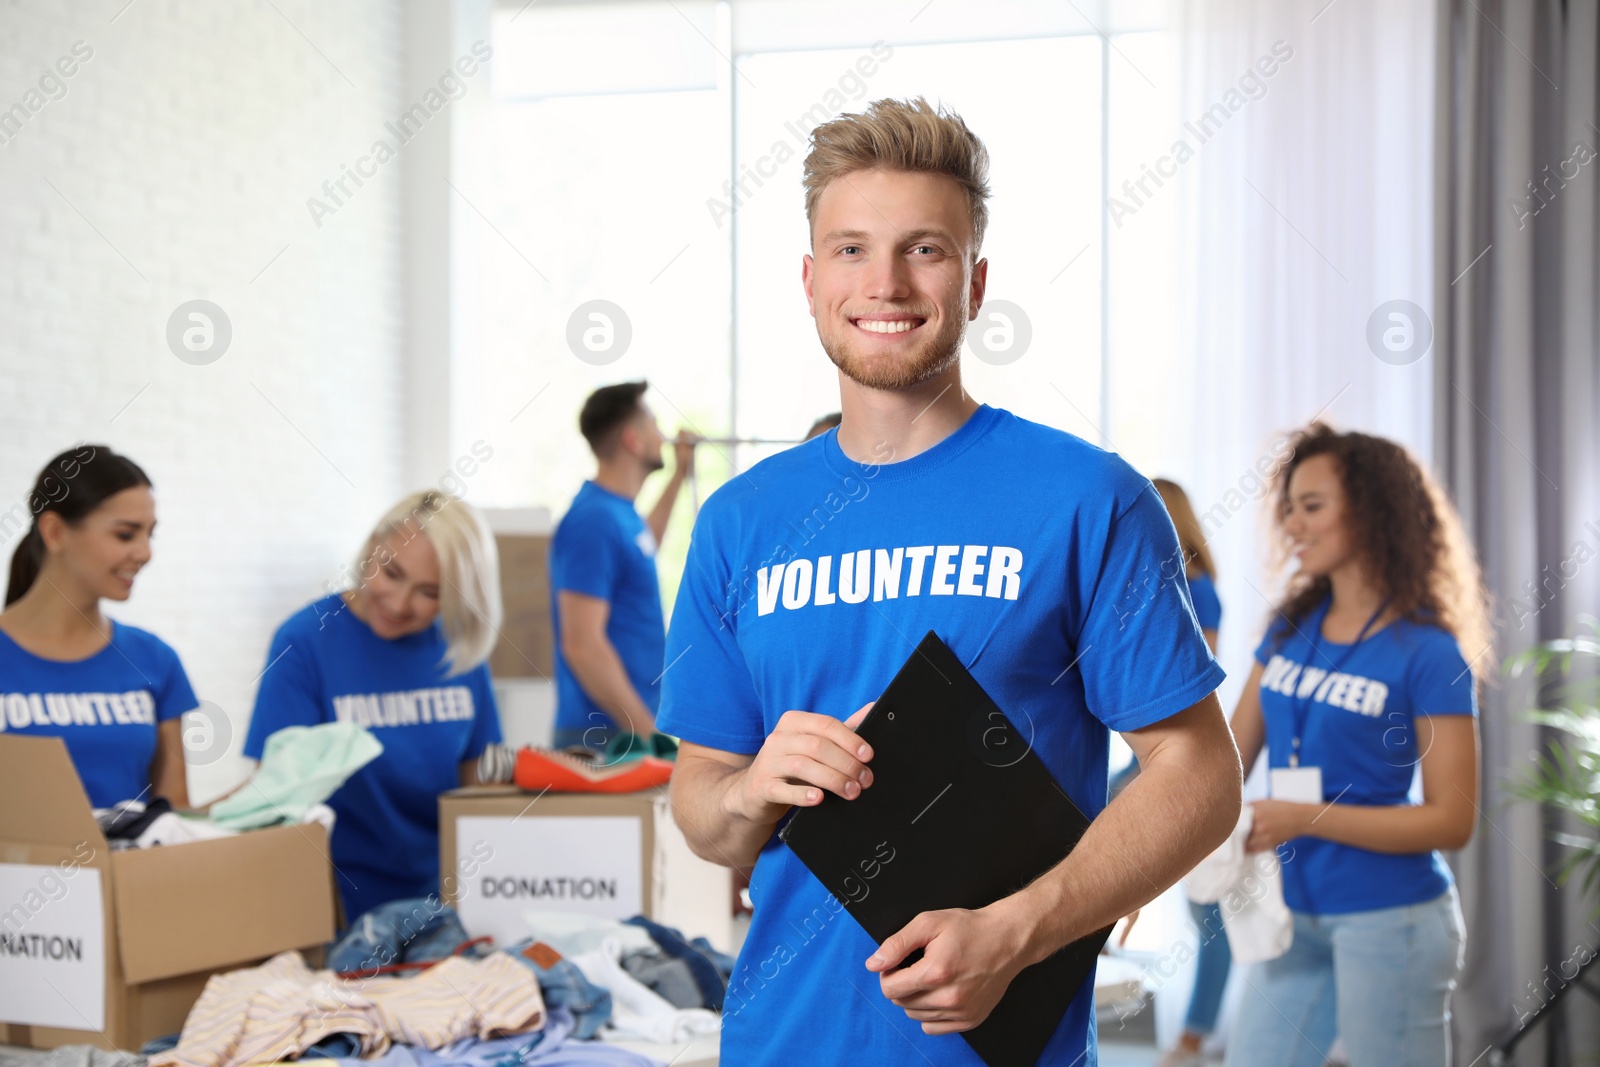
[[301, 766]]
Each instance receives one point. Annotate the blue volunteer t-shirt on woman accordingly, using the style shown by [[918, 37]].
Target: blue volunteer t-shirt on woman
[[106, 707], [1358, 706], [604, 549], [326, 665], [1036, 556]]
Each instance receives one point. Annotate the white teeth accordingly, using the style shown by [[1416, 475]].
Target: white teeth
[[886, 326]]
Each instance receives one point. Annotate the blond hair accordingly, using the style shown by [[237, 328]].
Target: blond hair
[[469, 571], [1191, 538], [908, 135]]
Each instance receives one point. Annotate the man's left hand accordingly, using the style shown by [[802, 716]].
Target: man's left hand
[[969, 959]]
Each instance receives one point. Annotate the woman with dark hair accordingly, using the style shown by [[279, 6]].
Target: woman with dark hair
[[1363, 685], [114, 693]]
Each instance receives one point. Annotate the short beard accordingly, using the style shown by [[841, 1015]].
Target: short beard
[[893, 375]]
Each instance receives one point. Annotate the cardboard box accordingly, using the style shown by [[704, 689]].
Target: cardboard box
[[526, 648], [113, 948], [506, 852]]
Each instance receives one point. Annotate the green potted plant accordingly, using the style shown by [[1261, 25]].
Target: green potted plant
[[1565, 778]]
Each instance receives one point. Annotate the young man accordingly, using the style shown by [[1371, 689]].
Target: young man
[[605, 597], [1037, 558]]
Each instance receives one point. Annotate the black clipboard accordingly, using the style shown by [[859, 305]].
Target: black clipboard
[[961, 812]]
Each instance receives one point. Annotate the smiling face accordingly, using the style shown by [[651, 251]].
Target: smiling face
[[1316, 517], [891, 279], [402, 598], [104, 551]]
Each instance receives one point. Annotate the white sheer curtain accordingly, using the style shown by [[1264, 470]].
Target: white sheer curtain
[[1301, 169], [1305, 205]]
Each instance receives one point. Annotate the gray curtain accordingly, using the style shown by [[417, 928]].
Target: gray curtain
[[1518, 441]]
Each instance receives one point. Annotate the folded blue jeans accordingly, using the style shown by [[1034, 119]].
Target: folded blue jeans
[[563, 986], [713, 983], [1381, 980], [419, 930], [667, 977]]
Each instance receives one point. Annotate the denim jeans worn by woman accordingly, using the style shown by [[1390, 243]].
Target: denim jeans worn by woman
[[1378, 979]]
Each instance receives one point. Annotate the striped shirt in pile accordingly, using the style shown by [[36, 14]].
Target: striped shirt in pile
[[282, 1008]]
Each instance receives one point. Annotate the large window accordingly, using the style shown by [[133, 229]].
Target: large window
[[649, 155], [1045, 211]]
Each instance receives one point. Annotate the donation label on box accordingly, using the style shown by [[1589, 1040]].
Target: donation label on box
[[52, 946], [586, 864]]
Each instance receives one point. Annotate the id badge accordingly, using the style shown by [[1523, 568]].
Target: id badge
[[1301, 784]]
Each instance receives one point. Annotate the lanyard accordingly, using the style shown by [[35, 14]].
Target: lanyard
[[1302, 707]]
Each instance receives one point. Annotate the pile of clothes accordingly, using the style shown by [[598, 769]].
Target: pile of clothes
[[282, 1010], [405, 986], [136, 824], [654, 983], [301, 767], [629, 764], [618, 980]]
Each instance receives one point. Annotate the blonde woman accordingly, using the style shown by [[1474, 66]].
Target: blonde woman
[[402, 652], [1198, 566]]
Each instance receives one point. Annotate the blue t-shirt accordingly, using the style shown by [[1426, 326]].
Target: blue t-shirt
[[106, 708], [1036, 557], [1359, 705], [1207, 605], [326, 665], [604, 549]]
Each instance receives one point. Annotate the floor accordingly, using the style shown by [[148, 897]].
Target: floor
[[1125, 1054]]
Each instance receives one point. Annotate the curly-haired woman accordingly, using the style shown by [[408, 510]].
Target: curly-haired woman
[[1363, 685]]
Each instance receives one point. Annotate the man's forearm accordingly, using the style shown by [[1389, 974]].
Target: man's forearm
[[1164, 823], [600, 672], [662, 512], [701, 804]]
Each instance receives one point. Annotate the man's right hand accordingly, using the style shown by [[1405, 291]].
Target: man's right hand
[[806, 754]]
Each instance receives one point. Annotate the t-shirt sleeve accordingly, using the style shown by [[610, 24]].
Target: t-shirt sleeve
[[1269, 644], [1207, 605], [485, 715], [584, 556], [1441, 682], [287, 696], [175, 695], [1139, 647], [707, 695]]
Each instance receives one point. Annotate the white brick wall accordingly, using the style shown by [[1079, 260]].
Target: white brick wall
[[191, 140]]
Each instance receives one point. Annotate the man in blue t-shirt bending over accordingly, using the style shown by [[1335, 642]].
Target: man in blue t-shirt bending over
[[1034, 554], [605, 597]]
